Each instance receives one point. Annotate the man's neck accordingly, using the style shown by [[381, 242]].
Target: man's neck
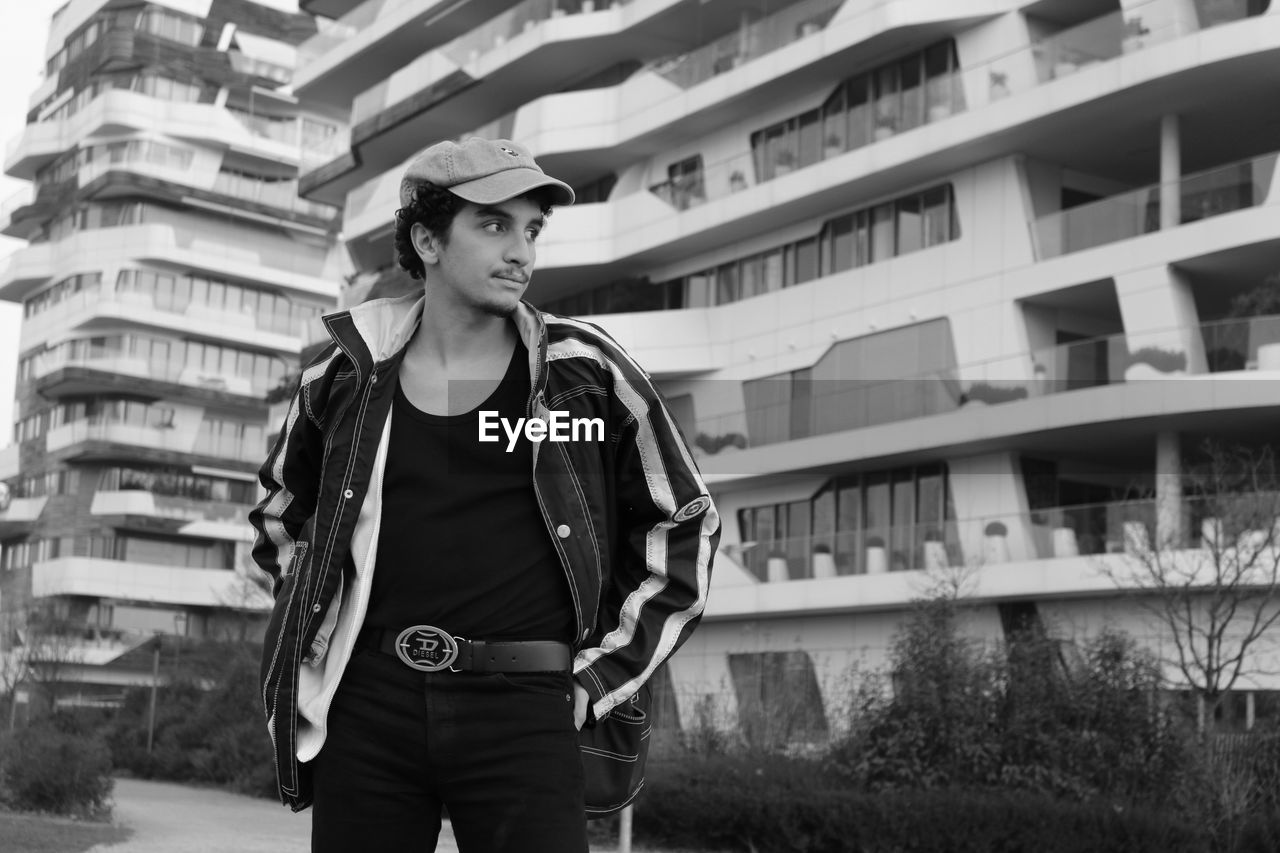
[[453, 335]]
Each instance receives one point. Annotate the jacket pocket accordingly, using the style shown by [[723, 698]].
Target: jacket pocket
[[320, 645]]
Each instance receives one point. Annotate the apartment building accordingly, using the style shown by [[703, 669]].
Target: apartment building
[[907, 271], [170, 276]]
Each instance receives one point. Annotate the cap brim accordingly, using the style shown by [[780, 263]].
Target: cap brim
[[506, 185]]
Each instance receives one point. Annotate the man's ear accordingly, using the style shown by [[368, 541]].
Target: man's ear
[[424, 243]]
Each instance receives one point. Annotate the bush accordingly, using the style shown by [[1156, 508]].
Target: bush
[[985, 392], [45, 768], [744, 808], [209, 726], [1163, 360]]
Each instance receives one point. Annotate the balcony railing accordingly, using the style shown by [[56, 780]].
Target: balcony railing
[[1048, 59], [58, 314], [127, 432], [468, 48], [343, 29], [162, 370], [124, 502], [1244, 521], [827, 406], [1202, 195], [791, 23], [280, 194]]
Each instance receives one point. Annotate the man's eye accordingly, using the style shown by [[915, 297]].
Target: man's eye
[[534, 234], [494, 227]]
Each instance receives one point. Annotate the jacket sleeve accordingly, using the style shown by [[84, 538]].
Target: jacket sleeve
[[667, 531], [291, 477]]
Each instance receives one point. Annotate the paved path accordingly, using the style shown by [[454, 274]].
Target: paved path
[[169, 818]]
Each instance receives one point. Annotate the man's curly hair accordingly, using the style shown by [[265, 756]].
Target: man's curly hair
[[435, 208]]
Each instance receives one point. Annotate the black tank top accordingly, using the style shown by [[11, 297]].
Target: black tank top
[[462, 543]]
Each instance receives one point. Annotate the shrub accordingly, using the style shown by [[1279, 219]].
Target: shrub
[[739, 810], [45, 768], [1164, 360], [996, 528], [985, 392]]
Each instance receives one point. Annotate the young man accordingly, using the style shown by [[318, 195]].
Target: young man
[[485, 531]]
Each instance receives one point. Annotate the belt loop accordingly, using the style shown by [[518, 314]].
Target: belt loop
[[479, 663]]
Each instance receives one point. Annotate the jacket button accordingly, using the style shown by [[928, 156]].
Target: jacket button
[[563, 531], [373, 379], [315, 609], [348, 494]]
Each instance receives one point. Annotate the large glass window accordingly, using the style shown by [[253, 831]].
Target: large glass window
[[890, 513]]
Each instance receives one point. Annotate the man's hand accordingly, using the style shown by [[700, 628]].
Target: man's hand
[[580, 702]]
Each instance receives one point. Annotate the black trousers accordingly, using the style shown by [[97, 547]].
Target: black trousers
[[499, 751]]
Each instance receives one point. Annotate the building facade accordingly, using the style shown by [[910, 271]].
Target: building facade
[[170, 277], [908, 273]]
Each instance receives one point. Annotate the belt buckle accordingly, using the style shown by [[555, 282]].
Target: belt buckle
[[426, 648]]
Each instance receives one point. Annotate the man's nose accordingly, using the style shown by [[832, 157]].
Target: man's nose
[[520, 251]]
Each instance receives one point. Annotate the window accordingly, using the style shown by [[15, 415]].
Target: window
[[897, 508]]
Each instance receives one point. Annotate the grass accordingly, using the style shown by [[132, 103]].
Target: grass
[[38, 833]]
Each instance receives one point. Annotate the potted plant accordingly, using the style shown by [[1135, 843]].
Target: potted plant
[[1133, 34], [999, 85], [824, 562], [935, 550], [986, 393], [1064, 538], [737, 181], [877, 560], [995, 547], [1154, 363], [776, 568], [833, 146], [783, 162]]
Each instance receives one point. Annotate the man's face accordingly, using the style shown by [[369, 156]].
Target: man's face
[[487, 261]]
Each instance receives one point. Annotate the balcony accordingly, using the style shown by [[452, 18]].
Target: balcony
[[56, 375], [376, 38], [10, 457], [1203, 195], [264, 258], [102, 578], [87, 438], [1247, 349], [20, 516], [954, 122], [189, 516], [278, 140], [93, 308], [1056, 552]]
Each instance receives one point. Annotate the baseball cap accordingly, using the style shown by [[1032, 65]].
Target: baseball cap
[[483, 171]]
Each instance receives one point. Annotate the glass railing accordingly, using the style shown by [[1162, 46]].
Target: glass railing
[[172, 506], [1071, 49], [1201, 195], [57, 314], [280, 194], [277, 129], [162, 370], [19, 199], [334, 33], [826, 406], [468, 48], [1246, 520], [938, 98], [791, 23], [132, 432]]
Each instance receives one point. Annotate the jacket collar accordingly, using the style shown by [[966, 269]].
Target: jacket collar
[[379, 329]]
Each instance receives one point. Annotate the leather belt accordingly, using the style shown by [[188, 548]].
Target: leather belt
[[427, 648]]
